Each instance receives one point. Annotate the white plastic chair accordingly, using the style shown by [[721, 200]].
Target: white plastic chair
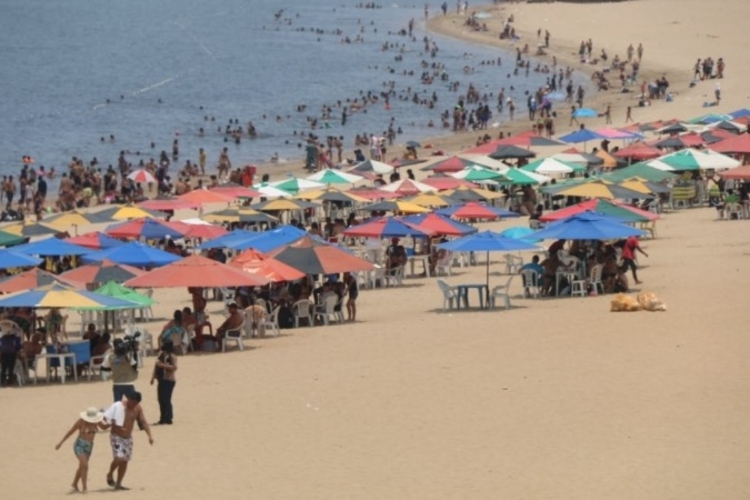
[[450, 294], [513, 264], [147, 312], [501, 292], [444, 265], [395, 276], [272, 323], [596, 278], [301, 310], [531, 285], [235, 335], [327, 309], [734, 209]]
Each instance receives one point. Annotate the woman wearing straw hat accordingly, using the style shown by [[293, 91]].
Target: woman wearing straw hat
[[87, 425]]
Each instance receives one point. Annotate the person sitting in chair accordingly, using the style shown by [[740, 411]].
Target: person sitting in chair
[[537, 268], [396, 257], [233, 322]]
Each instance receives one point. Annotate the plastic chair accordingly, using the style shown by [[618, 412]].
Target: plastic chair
[[734, 209], [235, 335], [531, 286], [513, 264], [395, 276], [272, 323], [595, 281], [327, 309], [147, 312], [450, 294], [444, 265], [501, 292], [301, 310]]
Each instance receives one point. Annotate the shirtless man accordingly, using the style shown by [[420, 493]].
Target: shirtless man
[[122, 415]]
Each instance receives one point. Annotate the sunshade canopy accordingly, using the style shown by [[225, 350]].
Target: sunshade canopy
[[196, 271], [134, 254], [62, 296], [10, 259], [604, 207], [586, 226], [101, 272], [313, 256], [51, 247], [473, 210], [258, 264], [387, 227], [27, 280], [440, 224]]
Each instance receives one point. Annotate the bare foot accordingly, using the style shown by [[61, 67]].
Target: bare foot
[[639, 282], [121, 488], [74, 486], [110, 481]]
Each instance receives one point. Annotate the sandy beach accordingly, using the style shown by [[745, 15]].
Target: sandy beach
[[554, 398]]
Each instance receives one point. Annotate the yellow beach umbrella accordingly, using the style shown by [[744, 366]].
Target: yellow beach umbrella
[[600, 189], [395, 206], [430, 200], [126, 212], [239, 215], [29, 228], [281, 204], [331, 194], [75, 218]]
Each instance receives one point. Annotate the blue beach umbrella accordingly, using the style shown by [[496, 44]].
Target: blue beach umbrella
[[586, 226], [387, 227], [487, 241], [133, 254], [582, 135], [227, 239], [269, 240], [517, 232], [51, 247], [440, 224], [10, 259]]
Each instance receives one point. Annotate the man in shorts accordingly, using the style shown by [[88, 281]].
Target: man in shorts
[[122, 415]]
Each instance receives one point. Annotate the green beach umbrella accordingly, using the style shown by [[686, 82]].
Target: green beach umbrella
[[295, 185], [693, 159], [118, 291], [642, 171], [329, 176], [476, 173]]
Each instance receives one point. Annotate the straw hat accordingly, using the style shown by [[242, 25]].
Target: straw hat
[[92, 416]]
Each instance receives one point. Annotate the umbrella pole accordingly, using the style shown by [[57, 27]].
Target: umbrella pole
[[487, 290]]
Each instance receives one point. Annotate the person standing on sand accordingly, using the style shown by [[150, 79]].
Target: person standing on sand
[[628, 115], [717, 93], [640, 52], [629, 249], [608, 114], [202, 161], [573, 116], [122, 416], [87, 426]]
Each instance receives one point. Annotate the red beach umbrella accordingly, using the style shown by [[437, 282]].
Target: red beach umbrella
[[196, 271], [256, 263], [739, 144], [101, 272], [27, 280], [312, 256], [639, 151], [445, 183]]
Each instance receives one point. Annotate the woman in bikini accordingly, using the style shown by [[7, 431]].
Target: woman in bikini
[[87, 426]]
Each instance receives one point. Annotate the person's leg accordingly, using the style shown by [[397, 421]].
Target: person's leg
[[83, 471], [77, 476], [160, 395], [631, 264], [112, 468], [122, 468], [168, 390]]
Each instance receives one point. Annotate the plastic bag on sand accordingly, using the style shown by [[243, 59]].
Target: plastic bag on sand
[[623, 302], [650, 302]]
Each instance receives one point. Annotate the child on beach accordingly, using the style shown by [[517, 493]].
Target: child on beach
[[87, 426]]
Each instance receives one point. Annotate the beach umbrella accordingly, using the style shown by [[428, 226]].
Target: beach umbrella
[[739, 144], [118, 291], [331, 194], [473, 210], [196, 271], [235, 192], [586, 226], [372, 194], [65, 220], [372, 166], [609, 161], [439, 224], [622, 212], [487, 241], [413, 144], [460, 162], [672, 128], [205, 196], [227, 239], [740, 113], [95, 241], [504, 152], [710, 118], [693, 159], [150, 229], [268, 240], [387, 227], [581, 135], [60, 295], [168, 204], [312, 256], [479, 174], [614, 134], [740, 173], [680, 141], [408, 187], [517, 232], [28, 229], [283, 204], [258, 264], [638, 151], [199, 229], [272, 192], [731, 126], [518, 177], [640, 170], [601, 189], [7, 239], [101, 272], [585, 113], [431, 200], [143, 176], [528, 139], [329, 176], [441, 183], [552, 166], [51, 247], [133, 254], [295, 184], [10, 259], [395, 206], [580, 158], [472, 194], [244, 215], [27, 280], [129, 211]]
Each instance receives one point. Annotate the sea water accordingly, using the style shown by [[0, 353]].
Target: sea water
[[151, 71]]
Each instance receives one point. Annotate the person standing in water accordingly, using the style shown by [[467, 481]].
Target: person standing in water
[[87, 426]]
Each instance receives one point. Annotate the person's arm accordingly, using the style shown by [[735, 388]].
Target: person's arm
[[172, 366], [143, 422], [641, 250], [75, 427]]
